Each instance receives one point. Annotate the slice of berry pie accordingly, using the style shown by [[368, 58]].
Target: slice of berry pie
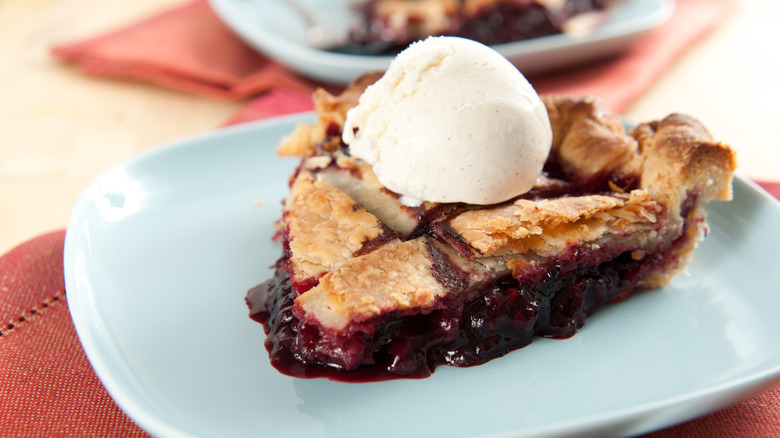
[[387, 26], [370, 288]]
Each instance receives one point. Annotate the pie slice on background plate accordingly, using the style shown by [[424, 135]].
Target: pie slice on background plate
[[387, 26], [369, 288]]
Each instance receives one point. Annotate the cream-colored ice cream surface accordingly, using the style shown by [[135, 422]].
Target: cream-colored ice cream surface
[[451, 121]]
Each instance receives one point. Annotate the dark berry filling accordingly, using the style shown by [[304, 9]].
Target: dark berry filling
[[466, 330], [511, 22]]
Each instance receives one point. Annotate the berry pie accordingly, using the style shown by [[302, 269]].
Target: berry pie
[[370, 288]]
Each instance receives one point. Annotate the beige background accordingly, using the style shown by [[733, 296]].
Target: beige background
[[60, 129]]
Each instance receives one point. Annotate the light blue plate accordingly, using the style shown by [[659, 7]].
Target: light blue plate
[[276, 29], [161, 249]]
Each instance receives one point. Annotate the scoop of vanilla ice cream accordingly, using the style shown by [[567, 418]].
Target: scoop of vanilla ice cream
[[451, 121]]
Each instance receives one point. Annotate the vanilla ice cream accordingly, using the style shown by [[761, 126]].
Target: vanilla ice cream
[[451, 121]]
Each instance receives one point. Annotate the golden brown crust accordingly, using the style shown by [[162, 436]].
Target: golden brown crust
[[331, 111], [680, 157], [357, 179], [326, 227], [588, 139], [417, 19], [547, 227], [674, 158], [395, 276]]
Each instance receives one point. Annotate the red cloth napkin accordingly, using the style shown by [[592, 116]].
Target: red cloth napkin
[[47, 387], [187, 49]]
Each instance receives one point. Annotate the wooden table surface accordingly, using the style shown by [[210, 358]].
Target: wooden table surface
[[60, 129]]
